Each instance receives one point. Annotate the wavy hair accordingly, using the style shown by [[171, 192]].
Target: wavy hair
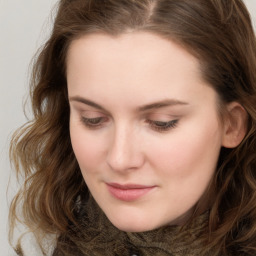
[[219, 33]]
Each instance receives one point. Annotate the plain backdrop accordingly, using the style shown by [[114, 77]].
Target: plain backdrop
[[24, 26]]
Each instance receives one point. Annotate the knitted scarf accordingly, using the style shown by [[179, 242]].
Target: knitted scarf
[[96, 236]]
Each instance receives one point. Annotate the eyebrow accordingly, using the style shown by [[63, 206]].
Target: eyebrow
[[87, 102], [154, 105], [162, 104]]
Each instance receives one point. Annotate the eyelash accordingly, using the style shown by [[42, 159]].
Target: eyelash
[[97, 122], [93, 123], [162, 126]]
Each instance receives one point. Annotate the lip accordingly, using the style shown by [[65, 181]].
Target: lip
[[128, 192]]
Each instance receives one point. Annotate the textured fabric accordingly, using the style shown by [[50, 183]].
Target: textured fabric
[[100, 238], [30, 247]]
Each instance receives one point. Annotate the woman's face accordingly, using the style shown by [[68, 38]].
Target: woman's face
[[144, 127]]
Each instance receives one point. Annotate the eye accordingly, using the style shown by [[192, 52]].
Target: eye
[[162, 126], [93, 123]]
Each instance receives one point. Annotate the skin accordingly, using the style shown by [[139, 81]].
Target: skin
[[119, 139]]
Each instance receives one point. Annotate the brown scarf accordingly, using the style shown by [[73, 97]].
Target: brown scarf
[[98, 237]]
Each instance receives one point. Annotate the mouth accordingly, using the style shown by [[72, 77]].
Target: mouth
[[128, 192]]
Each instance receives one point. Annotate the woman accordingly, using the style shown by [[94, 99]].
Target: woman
[[143, 141]]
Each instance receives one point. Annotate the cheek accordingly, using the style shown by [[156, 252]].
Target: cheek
[[189, 150], [87, 149]]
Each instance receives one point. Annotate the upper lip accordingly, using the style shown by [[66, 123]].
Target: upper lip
[[128, 186]]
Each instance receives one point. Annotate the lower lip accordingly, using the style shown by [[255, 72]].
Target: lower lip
[[128, 195]]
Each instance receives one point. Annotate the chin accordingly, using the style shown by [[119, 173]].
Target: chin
[[132, 228], [132, 224]]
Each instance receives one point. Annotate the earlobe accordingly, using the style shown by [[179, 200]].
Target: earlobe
[[235, 125]]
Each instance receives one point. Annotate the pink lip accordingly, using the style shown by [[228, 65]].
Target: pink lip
[[128, 192]]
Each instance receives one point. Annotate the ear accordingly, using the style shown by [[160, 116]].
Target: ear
[[235, 125]]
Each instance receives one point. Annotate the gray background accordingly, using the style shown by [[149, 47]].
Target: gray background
[[24, 25]]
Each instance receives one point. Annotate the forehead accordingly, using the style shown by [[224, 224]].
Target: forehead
[[140, 63], [134, 46]]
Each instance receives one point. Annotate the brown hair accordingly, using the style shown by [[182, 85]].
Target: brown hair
[[219, 33]]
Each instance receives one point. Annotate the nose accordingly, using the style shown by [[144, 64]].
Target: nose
[[125, 151]]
